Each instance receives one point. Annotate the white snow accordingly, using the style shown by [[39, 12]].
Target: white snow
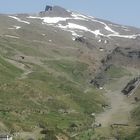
[[17, 27], [105, 26], [11, 36], [124, 27], [100, 87], [79, 16], [80, 27], [68, 30], [119, 26], [19, 20], [114, 33], [74, 28], [109, 29], [53, 19], [123, 36], [43, 34], [127, 30], [73, 38], [96, 32], [74, 33], [101, 49], [115, 25], [105, 41], [99, 40], [11, 28], [50, 20], [93, 114]]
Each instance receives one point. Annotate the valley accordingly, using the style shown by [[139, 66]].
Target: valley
[[62, 74]]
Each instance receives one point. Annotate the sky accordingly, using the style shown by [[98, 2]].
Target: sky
[[126, 12]]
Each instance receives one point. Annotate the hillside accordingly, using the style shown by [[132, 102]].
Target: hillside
[[62, 77]]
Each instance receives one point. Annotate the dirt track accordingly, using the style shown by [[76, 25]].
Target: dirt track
[[120, 107]]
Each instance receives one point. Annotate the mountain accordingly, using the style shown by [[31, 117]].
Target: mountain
[[68, 76]]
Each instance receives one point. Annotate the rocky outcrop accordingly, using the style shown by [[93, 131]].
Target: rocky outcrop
[[133, 84], [55, 11], [85, 41], [48, 8]]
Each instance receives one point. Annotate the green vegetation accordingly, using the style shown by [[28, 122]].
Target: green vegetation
[[76, 70], [116, 72], [135, 114], [47, 100], [47, 90], [134, 136], [8, 71]]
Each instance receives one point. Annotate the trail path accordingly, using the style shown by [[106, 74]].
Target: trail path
[[21, 66], [120, 107]]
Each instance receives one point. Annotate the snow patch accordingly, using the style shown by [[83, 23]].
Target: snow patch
[[50, 20], [97, 33], [114, 33], [105, 41], [80, 27], [101, 88], [123, 36], [74, 28], [109, 29], [101, 49], [17, 27], [127, 30], [11, 36], [53, 19], [79, 16], [105, 26], [11, 28], [74, 33], [99, 40], [43, 34], [115, 25], [19, 20]]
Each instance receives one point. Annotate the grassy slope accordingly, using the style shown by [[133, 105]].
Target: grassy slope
[[136, 118], [56, 94], [54, 98], [8, 71]]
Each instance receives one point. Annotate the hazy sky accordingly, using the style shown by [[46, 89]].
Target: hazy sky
[[125, 12]]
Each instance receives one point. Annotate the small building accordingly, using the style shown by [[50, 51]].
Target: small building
[[5, 137]]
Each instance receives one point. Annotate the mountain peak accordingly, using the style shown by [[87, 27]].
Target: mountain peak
[[48, 8], [55, 11]]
